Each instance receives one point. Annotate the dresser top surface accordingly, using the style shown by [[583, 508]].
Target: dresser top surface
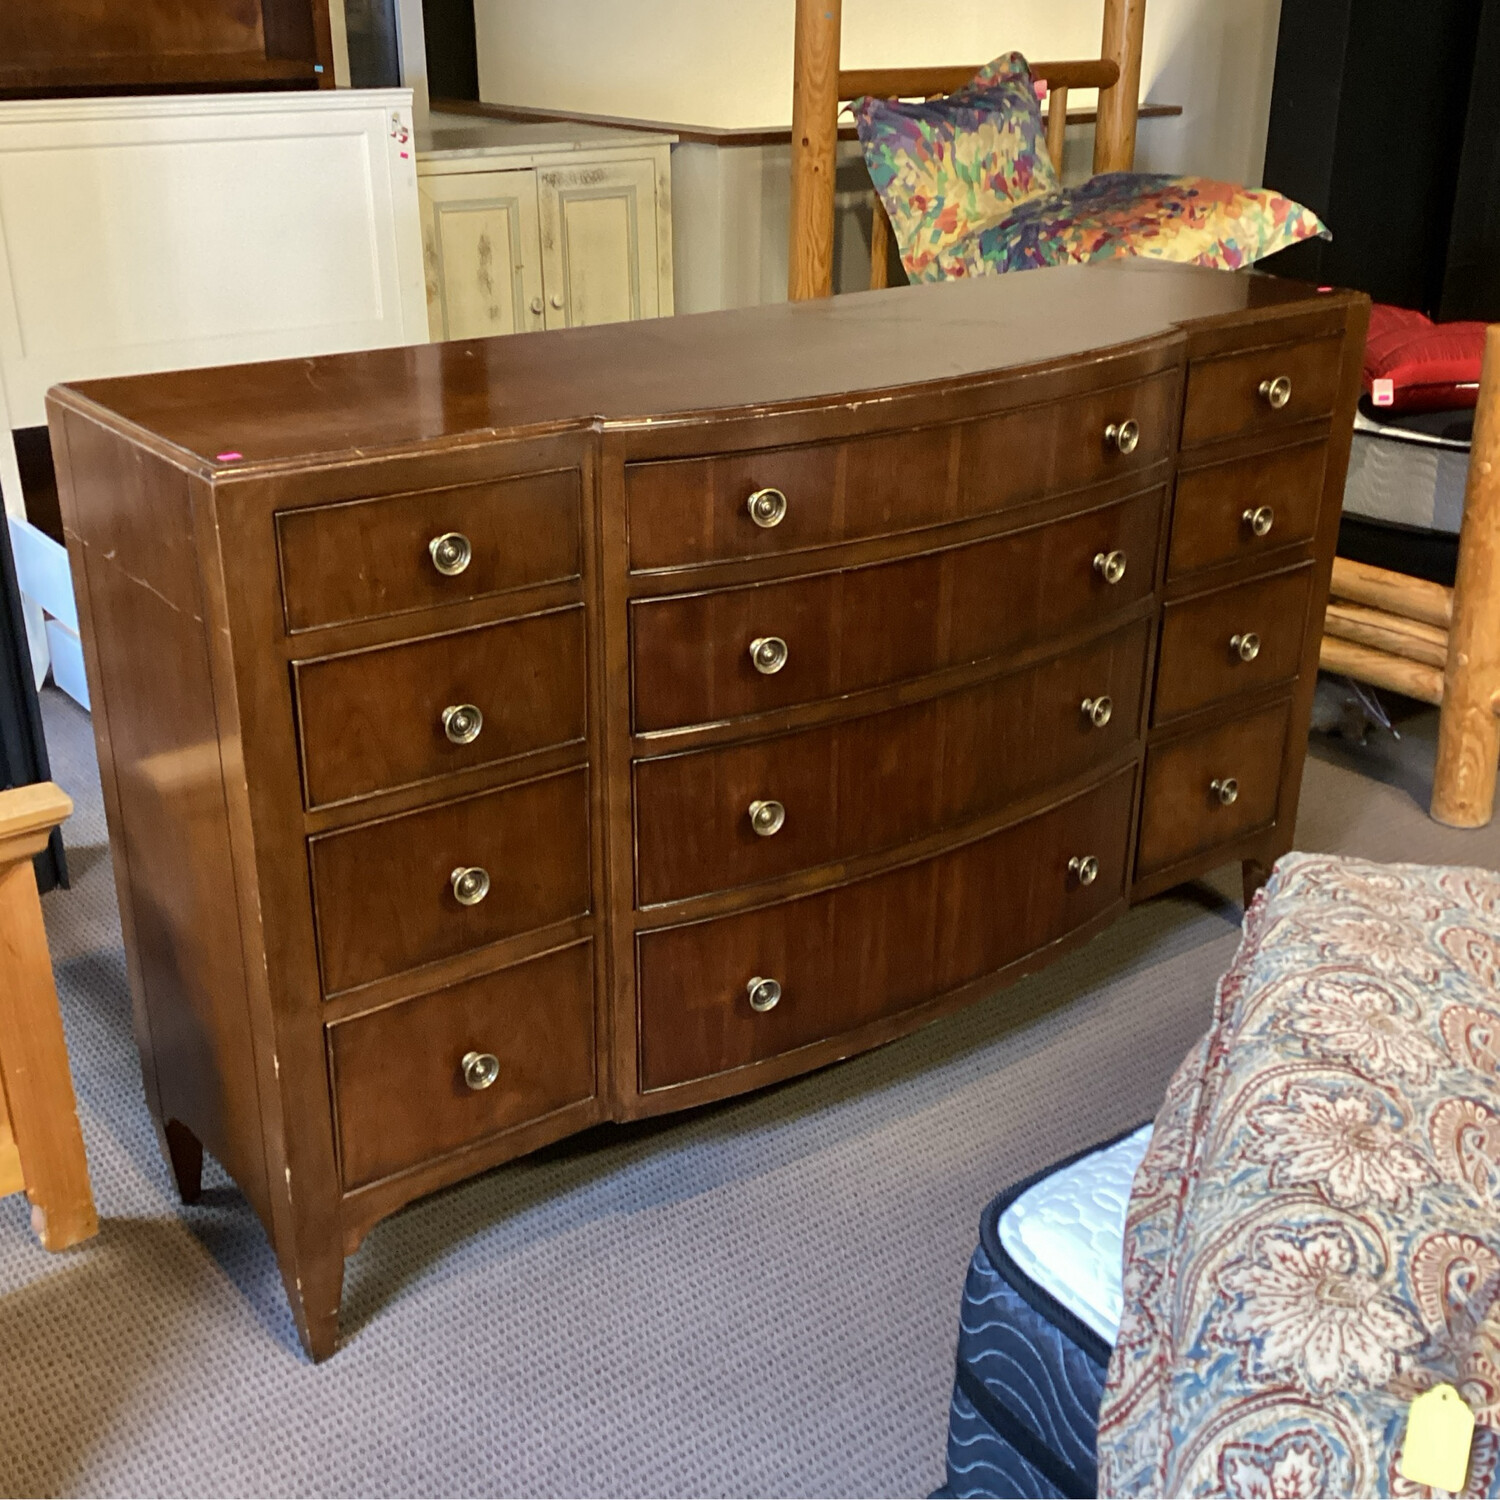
[[303, 410]]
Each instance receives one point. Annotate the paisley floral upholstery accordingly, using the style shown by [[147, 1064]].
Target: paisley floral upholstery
[[1313, 1236]]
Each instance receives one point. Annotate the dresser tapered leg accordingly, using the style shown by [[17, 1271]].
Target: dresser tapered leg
[[184, 1153], [1254, 874], [315, 1288]]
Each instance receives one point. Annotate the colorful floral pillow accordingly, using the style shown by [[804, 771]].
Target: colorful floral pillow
[[1312, 1238], [948, 166], [1192, 219]]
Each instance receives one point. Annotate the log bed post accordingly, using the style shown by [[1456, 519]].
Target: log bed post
[[815, 135], [1114, 137], [1463, 786]]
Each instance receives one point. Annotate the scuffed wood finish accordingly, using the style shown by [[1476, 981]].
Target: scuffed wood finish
[[270, 654], [1463, 789], [41, 1146]]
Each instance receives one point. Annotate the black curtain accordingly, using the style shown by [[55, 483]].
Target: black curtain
[[23, 751]]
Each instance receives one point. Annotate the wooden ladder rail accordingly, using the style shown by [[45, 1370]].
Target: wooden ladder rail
[[819, 86]]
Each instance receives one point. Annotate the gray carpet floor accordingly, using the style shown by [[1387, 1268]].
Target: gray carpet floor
[[756, 1299]]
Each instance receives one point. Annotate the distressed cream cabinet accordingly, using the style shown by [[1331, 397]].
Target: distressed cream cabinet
[[529, 226]]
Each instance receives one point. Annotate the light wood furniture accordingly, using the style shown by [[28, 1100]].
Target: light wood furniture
[[543, 226], [41, 1147], [820, 86], [583, 725], [1436, 644]]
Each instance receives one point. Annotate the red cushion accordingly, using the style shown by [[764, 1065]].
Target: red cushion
[[1421, 365]]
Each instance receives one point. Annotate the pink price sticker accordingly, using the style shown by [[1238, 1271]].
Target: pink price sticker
[[227, 458], [1383, 392]]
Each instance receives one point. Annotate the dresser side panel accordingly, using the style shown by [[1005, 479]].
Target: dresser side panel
[[129, 522]]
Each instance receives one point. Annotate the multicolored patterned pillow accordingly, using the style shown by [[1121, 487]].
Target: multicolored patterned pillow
[[950, 166], [1192, 219], [1313, 1238]]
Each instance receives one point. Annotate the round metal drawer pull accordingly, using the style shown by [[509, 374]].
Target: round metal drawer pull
[[769, 653], [766, 817], [764, 994], [1123, 435], [462, 723], [1098, 710], [451, 553], [470, 885], [1260, 520], [1085, 867], [1277, 392], [1110, 566], [767, 508], [481, 1069], [1246, 646], [1226, 789]]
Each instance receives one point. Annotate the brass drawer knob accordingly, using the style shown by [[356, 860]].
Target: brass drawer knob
[[451, 553], [1110, 566], [1260, 520], [1123, 435], [1226, 789], [1246, 646], [1085, 867], [766, 817], [769, 653], [470, 885], [1098, 710], [462, 723], [481, 1069], [767, 507], [764, 994], [1277, 392]]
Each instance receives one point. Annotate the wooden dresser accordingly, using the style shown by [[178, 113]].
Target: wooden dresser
[[500, 737]]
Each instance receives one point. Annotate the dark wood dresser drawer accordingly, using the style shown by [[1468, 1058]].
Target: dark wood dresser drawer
[[395, 715], [1209, 788], [400, 1092], [699, 510], [863, 627], [365, 558], [877, 782], [385, 892], [877, 947], [1232, 641], [1246, 508], [1238, 394]]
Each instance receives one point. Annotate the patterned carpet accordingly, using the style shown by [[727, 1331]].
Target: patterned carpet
[[757, 1299]]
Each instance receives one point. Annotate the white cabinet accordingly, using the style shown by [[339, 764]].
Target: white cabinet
[[557, 226]]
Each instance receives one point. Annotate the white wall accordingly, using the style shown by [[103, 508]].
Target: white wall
[[728, 63]]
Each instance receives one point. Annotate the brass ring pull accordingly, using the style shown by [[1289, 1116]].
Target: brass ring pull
[[769, 653], [767, 507], [470, 885], [480, 1069], [1098, 710], [1277, 392], [767, 817], [1260, 520], [1085, 867], [1123, 435], [1110, 566], [462, 723], [451, 553], [764, 994], [1226, 789], [1246, 646]]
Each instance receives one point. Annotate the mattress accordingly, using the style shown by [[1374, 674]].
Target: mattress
[[1041, 1310], [1408, 475]]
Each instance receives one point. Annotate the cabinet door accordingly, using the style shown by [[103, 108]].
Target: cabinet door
[[599, 242], [483, 253]]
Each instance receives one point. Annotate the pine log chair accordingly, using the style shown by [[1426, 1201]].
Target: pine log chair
[[1436, 644], [820, 88], [41, 1146]]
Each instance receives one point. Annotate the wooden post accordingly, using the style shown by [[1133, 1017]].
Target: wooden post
[[1463, 786], [880, 246], [815, 136], [38, 1089], [1114, 137], [1057, 125]]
